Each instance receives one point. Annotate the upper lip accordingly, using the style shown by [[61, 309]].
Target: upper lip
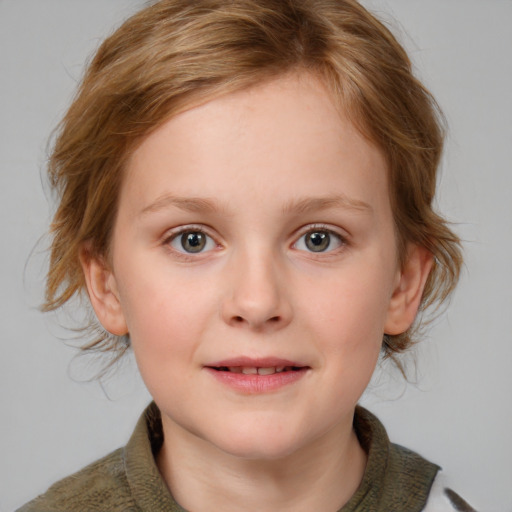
[[260, 362]]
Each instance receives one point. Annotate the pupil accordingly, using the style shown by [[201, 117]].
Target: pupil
[[193, 241], [318, 241]]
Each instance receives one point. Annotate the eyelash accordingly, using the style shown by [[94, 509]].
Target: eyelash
[[310, 229]]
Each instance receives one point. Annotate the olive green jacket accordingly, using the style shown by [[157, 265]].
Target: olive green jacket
[[128, 480]]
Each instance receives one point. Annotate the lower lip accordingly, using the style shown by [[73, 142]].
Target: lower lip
[[257, 384]]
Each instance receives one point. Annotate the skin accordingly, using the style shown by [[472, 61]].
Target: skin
[[258, 171]]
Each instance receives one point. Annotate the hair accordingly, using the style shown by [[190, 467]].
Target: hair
[[175, 54]]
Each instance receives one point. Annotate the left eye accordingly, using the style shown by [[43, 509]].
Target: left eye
[[192, 242], [319, 240]]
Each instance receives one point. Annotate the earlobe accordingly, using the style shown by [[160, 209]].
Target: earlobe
[[103, 293], [408, 291]]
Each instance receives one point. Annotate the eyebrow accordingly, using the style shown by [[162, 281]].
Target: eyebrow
[[300, 206], [188, 204], [313, 204]]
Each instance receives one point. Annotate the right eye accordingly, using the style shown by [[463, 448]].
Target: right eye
[[192, 241]]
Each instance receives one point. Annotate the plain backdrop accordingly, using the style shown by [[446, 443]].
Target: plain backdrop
[[459, 411]]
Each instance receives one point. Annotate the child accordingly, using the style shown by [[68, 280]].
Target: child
[[246, 196]]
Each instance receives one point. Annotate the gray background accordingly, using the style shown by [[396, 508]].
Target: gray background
[[459, 412]]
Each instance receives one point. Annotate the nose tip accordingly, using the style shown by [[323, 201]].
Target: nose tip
[[256, 299]]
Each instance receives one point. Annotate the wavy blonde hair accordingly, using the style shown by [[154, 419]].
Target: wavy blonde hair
[[177, 53]]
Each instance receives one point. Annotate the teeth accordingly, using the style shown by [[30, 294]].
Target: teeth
[[252, 370], [260, 371]]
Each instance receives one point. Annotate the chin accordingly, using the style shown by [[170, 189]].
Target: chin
[[259, 443]]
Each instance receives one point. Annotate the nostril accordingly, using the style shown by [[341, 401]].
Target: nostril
[[240, 319]]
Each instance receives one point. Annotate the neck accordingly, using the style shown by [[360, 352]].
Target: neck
[[322, 476]]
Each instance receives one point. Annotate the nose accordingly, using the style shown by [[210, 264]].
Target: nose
[[257, 296]]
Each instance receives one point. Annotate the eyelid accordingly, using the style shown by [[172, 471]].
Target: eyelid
[[318, 226]]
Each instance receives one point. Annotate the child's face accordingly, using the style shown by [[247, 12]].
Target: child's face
[[256, 231]]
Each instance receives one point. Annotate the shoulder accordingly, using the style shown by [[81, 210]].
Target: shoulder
[[409, 462], [127, 480], [100, 486], [443, 499], [402, 479]]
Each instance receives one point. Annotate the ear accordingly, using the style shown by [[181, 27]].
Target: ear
[[408, 291], [103, 292]]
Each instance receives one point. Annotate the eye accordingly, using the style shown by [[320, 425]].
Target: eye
[[192, 241], [319, 240]]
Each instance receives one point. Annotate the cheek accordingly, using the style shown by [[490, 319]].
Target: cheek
[[354, 307], [164, 337], [347, 325], [344, 322], [164, 316]]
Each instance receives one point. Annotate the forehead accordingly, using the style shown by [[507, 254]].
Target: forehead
[[284, 138]]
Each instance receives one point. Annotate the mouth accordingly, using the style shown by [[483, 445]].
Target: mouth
[[257, 370], [256, 378]]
